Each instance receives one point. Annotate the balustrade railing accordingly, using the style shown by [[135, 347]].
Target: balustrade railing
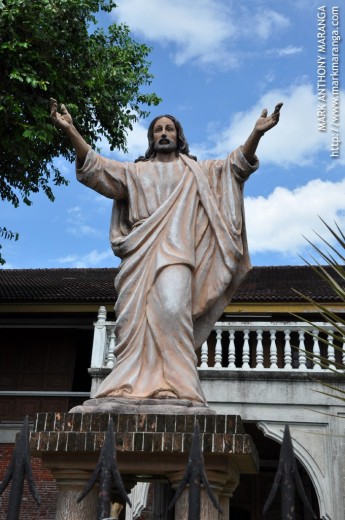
[[259, 345], [244, 345]]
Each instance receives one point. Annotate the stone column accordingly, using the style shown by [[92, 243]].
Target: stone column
[[207, 509], [70, 485], [225, 496], [223, 477]]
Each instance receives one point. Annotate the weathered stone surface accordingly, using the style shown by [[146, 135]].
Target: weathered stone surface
[[141, 433], [131, 422], [144, 406]]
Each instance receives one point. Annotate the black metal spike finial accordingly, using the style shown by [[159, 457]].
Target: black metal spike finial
[[288, 477], [19, 469], [108, 472], [195, 475]]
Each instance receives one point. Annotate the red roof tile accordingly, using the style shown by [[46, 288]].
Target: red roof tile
[[57, 285], [263, 284], [280, 283]]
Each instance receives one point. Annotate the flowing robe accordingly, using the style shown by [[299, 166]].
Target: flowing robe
[[165, 216]]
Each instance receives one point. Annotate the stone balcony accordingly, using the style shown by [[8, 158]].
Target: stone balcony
[[288, 347]]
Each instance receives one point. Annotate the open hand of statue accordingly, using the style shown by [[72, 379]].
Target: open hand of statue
[[265, 122], [62, 120]]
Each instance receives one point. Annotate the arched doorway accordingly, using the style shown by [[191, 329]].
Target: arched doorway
[[250, 496]]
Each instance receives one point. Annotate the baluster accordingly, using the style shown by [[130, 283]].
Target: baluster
[[273, 351], [316, 351], [218, 352], [204, 355], [102, 315], [246, 352], [111, 350], [287, 350], [99, 340], [232, 351], [301, 351], [330, 351], [259, 350]]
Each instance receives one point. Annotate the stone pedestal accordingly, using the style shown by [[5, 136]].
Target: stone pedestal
[[149, 448]]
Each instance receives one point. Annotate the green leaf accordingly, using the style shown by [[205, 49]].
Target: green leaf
[[333, 332]]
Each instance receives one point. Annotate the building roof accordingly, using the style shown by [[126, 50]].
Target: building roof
[[282, 283], [274, 284], [57, 285]]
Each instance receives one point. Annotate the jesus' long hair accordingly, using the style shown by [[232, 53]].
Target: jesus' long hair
[[182, 145]]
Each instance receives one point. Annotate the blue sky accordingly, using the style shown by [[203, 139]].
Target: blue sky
[[217, 64]]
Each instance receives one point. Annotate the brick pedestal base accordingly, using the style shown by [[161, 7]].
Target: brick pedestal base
[[149, 447]]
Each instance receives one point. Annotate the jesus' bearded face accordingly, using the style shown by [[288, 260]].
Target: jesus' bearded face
[[164, 136]]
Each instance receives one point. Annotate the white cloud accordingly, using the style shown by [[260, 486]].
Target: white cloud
[[201, 32], [264, 22], [93, 259], [137, 141], [75, 212], [136, 144], [68, 259], [290, 50], [83, 230], [296, 139], [279, 222], [77, 220], [198, 29]]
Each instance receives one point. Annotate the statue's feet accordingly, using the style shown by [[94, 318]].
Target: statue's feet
[[166, 403], [164, 394]]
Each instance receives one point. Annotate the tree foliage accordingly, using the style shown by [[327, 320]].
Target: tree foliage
[[53, 48]]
